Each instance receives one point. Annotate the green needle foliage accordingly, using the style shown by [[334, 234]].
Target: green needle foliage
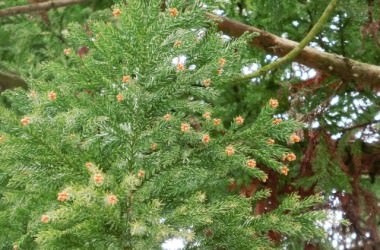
[[125, 147]]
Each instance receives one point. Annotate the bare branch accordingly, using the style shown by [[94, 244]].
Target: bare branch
[[365, 75], [298, 49], [38, 7]]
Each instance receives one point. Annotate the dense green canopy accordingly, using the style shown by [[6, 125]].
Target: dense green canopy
[[134, 91]]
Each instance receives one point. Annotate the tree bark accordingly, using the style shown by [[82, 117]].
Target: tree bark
[[37, 7], [363, 74]]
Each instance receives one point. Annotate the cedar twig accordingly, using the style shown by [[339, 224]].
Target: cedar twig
[[12, 11], [365, 75], [298, 49]]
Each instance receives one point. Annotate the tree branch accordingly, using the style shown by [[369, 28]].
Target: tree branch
[[365, 75], [9, 81], [37, 7], [297, 49], [362, 125]]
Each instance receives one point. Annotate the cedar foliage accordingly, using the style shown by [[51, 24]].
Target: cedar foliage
[[344, 170], [110, 150]]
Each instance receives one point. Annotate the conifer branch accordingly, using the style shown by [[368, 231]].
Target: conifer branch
[[8, 81], [12, 11], [298, 49], [364, 74]]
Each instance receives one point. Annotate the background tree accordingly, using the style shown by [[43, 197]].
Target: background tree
[[340, 153]]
